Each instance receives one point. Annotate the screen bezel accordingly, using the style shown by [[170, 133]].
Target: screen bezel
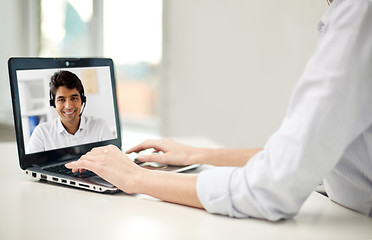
[[61, 154]]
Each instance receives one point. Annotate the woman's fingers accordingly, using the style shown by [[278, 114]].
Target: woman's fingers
[[80, 165], [159, 158], [157, 144], [88, 161]]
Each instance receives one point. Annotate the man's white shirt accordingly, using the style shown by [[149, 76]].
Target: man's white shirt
[[52, 134], [327, 132]]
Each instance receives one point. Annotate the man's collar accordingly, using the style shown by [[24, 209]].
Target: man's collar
[[61, 128]]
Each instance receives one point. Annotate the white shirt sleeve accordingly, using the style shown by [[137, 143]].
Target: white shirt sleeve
[[329, 109]]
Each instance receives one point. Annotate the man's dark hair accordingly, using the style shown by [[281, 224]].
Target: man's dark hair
[[66, 79]]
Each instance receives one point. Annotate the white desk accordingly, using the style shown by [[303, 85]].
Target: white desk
[[36, 210]]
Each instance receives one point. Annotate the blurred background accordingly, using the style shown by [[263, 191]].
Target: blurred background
[[222, 70]]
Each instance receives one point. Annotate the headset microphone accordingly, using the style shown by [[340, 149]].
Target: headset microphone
[[84, 99]]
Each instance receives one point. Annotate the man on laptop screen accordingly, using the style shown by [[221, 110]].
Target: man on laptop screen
[[71, 127]]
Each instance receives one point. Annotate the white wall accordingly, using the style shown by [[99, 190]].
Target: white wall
[[230, 66]]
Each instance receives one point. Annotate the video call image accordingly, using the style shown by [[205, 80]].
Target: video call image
[[65, 107]]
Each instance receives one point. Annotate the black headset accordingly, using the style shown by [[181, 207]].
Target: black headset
[[52, 102]]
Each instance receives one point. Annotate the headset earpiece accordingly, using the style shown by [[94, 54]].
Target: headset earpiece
[[51, 103], [51, 100]]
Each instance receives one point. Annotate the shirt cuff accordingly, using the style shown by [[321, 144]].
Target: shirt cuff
[[213, 190]]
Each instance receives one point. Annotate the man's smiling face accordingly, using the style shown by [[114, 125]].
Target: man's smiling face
[[68, 105]]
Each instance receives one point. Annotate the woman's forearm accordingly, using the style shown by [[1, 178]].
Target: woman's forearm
[[225, 157]]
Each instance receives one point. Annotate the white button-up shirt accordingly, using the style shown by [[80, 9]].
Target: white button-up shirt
[[327, 132], [52, 134]]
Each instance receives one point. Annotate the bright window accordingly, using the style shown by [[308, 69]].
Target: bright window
[[132, 36], [129, 32]]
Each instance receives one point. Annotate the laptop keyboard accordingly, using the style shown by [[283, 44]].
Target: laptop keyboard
[[61, 169]]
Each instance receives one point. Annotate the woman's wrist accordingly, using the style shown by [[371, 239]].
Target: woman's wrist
[[134, 180], [202, 155]]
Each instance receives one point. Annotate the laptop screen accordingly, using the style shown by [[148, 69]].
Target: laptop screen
[[62, 107]]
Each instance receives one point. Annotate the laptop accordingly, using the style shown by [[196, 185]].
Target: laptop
[[36, 116]]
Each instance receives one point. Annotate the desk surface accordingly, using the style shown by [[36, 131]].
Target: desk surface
[[37, 210]]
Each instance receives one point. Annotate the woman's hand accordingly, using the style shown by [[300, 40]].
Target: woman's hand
[[173, 153], [111, 164], [179, 154]]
